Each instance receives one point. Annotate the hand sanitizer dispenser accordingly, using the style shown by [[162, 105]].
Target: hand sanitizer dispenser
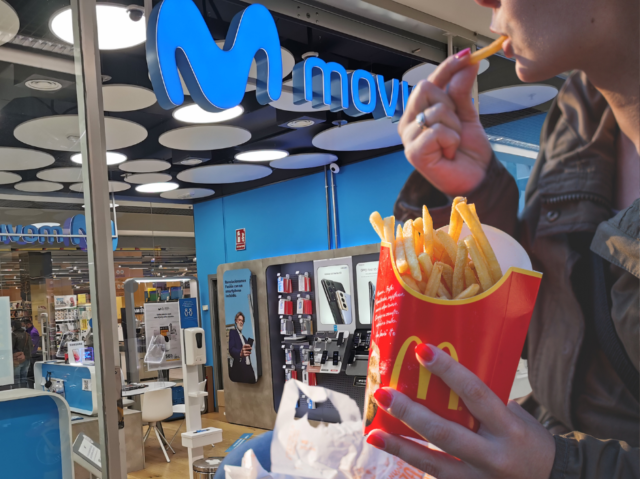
[[194, 350]]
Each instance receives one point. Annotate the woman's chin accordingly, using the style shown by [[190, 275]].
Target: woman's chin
[[528, 73]]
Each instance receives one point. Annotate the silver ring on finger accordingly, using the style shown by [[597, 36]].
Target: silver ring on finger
[[421, 120]]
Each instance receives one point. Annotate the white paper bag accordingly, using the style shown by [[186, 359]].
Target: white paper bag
[[331, 451]]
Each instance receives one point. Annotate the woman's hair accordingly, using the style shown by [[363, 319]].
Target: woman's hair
[[17, 326], [235, 320]]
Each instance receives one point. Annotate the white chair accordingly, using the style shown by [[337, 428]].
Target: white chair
[[181, 408], [156, 407]]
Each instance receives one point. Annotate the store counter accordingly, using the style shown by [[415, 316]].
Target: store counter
[[76, 383], [132, 436]]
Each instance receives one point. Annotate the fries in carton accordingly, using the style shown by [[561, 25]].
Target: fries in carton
[[483, 327]]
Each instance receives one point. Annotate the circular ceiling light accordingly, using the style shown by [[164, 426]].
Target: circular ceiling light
[[515, 97], [300, 124], [43, 85], [195, 114], [157, 187], [262, 155], [188, 193], [146, 178], [9, 22], [112, 158], [145, 166], [191, 162], [116, 29]]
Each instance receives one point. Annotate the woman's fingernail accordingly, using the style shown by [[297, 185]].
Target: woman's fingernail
[[425, 352], [463, 53], [376, 441], [383, 398]]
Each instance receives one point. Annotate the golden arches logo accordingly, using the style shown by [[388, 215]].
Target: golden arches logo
[[424, 376]]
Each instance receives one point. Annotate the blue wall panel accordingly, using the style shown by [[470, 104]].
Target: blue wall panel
[[364, 187]]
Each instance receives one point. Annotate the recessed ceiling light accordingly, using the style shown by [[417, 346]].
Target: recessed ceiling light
[[300, 123], [262, 155], [195, 114], [191, 161], [112, 158], [43, 85], [116, 29], [157, 187]]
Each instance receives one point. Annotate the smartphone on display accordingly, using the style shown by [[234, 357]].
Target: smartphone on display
[[330, 288]]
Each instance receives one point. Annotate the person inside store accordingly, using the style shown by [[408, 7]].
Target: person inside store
[[581, 228], [36, 355], [241, 370], [21, 346]]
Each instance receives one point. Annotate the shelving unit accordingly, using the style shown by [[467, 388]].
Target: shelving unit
[[20, 310]]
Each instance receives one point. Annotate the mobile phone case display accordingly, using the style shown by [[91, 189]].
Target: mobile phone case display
[[67, 321], [366, 275]]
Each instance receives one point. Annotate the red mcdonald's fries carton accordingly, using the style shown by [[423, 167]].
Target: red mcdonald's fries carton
[[485, 333]]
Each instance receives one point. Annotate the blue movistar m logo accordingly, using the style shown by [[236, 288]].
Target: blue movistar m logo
[[179, 41]]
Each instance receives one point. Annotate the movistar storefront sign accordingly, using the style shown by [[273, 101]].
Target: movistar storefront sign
[[178, 40], [74, 233]]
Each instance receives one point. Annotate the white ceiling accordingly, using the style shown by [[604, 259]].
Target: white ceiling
[[359, 136], [466, 13], [220, 174], [144, 166], [18, 159], [127, 97], [205, 137]]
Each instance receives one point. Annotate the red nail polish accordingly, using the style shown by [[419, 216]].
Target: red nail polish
[[376, 441], [463, 53], [425, 352], [383, 398]]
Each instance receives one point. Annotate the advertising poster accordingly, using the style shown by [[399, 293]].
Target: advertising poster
[[366, 276], [6, 353], [162, 329], [69, 301], [242, 326], [334, 294]]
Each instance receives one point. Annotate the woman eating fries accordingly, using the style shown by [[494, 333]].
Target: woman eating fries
[[581, 227]]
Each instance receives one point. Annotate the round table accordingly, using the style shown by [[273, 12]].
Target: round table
[[151, 386]]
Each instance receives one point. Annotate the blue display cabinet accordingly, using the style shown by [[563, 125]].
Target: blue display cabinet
[[35, 435]]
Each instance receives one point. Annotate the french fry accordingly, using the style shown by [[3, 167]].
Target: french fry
[[484, 276], [487, 51], [427, 223], [442, 292], [472, 207], [411, 283], [378, 224], [427, 266], [455, 223], [410, 251], [418, 235], [469, 292], [459, 268], [401, 258], [434, 280], [389, 225], [440, 253], [483, 243], [449, 245], [447, 276], [470, 277], [422, 285]]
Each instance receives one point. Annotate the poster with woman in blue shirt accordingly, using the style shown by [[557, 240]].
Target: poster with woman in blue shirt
[[241, 324]]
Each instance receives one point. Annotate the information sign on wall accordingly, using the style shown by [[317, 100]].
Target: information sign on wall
[[241, 239], [162, 328]]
